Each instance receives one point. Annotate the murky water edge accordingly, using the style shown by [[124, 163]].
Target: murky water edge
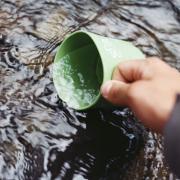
[[40, 138]]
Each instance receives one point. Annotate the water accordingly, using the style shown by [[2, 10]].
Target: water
[[76, 77], [40, 138]]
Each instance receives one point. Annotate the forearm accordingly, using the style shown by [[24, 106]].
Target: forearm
[[172, 139]]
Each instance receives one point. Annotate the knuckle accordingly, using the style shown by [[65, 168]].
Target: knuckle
[[154, 64], [153, 61]]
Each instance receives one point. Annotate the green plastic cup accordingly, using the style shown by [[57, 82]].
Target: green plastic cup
[[83, 62]]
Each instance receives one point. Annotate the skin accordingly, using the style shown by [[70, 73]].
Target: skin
[[149, 87]]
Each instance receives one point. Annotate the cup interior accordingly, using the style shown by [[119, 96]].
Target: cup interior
[[78, 72]]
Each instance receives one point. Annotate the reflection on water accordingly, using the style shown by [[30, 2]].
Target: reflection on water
[[40, 138]]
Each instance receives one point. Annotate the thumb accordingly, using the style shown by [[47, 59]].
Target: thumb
[[115, 92]]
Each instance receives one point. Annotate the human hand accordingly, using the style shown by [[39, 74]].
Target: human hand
[[149, 87]]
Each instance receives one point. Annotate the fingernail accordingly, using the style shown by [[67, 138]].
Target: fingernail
[[106, 88]]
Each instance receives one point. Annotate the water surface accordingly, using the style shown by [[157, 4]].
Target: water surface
[[40, 137]]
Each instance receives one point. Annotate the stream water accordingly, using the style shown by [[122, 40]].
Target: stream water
[[40, 137]]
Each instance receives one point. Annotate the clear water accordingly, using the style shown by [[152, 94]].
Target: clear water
[[75, 77], [40, 138]]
